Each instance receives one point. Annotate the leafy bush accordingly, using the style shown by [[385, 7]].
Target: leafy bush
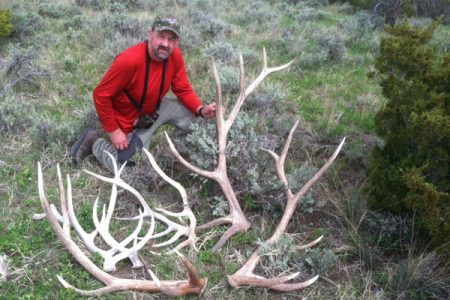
[[410, 172], [115, 45], [18, 68], [309, 15], [365, 4], [47, 132], [77, 22], [284, 255], [330, 48], [113, 22], [331, 42], [57, 11], [25, 24], [207, 24], [267, 101], [254, 178], [229, 79], [94, 4], [257, 14], [358, 28], [15, 114], [226, 52], [6, 27]]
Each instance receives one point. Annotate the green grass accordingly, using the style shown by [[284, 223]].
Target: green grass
[[332, 100]]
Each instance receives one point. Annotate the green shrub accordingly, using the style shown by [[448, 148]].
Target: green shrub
[[94, 4], [358, 28], [14, 114], [364, 4], [207, 24], [309, 15], [18, 69], [258, 14], [25, 24], [246, 172], [410, 172], [77, 22], [226, 52], [51, 10], [47, 132], [6, 27], [331, 44]]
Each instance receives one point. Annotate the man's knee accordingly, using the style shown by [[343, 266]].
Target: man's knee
[[134, 146]]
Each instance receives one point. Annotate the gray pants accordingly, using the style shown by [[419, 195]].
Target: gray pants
[[171, 111]]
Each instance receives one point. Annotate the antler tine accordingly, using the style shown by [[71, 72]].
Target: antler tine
[[116, 180], [109, 257], [280, 159], [289, 287], [242, 95], [264, 72], [62, 193], [188, 165], [319, 173], [287, 144], [194, 277], [172, 182], [309, 245], [87, 238], [219, 101], [249, 278], [186, 209]]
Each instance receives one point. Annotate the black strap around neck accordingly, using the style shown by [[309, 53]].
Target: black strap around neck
[[147, 76]]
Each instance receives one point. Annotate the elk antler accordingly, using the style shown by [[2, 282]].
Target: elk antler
[[245, 275], [194, 285], [118, 251], [236, 217]]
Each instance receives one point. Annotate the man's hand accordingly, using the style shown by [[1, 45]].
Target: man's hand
[[209, 111], [118, 139]]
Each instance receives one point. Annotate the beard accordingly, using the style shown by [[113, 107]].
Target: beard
[[162, 52]]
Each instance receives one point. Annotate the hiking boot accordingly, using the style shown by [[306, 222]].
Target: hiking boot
[[83, 146], [100, 146]]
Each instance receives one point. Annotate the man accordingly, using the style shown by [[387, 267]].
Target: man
[[130, 101]]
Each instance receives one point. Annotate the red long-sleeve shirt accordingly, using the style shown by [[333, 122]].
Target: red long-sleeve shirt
[[113, 107]]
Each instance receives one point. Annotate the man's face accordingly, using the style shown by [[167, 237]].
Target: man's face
[[162, 44]]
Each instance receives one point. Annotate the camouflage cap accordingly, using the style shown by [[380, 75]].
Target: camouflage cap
[[171, 24]]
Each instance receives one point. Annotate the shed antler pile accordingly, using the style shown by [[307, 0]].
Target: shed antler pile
[[118, 250]]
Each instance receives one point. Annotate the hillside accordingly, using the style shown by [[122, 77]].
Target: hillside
[[59, 51]]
